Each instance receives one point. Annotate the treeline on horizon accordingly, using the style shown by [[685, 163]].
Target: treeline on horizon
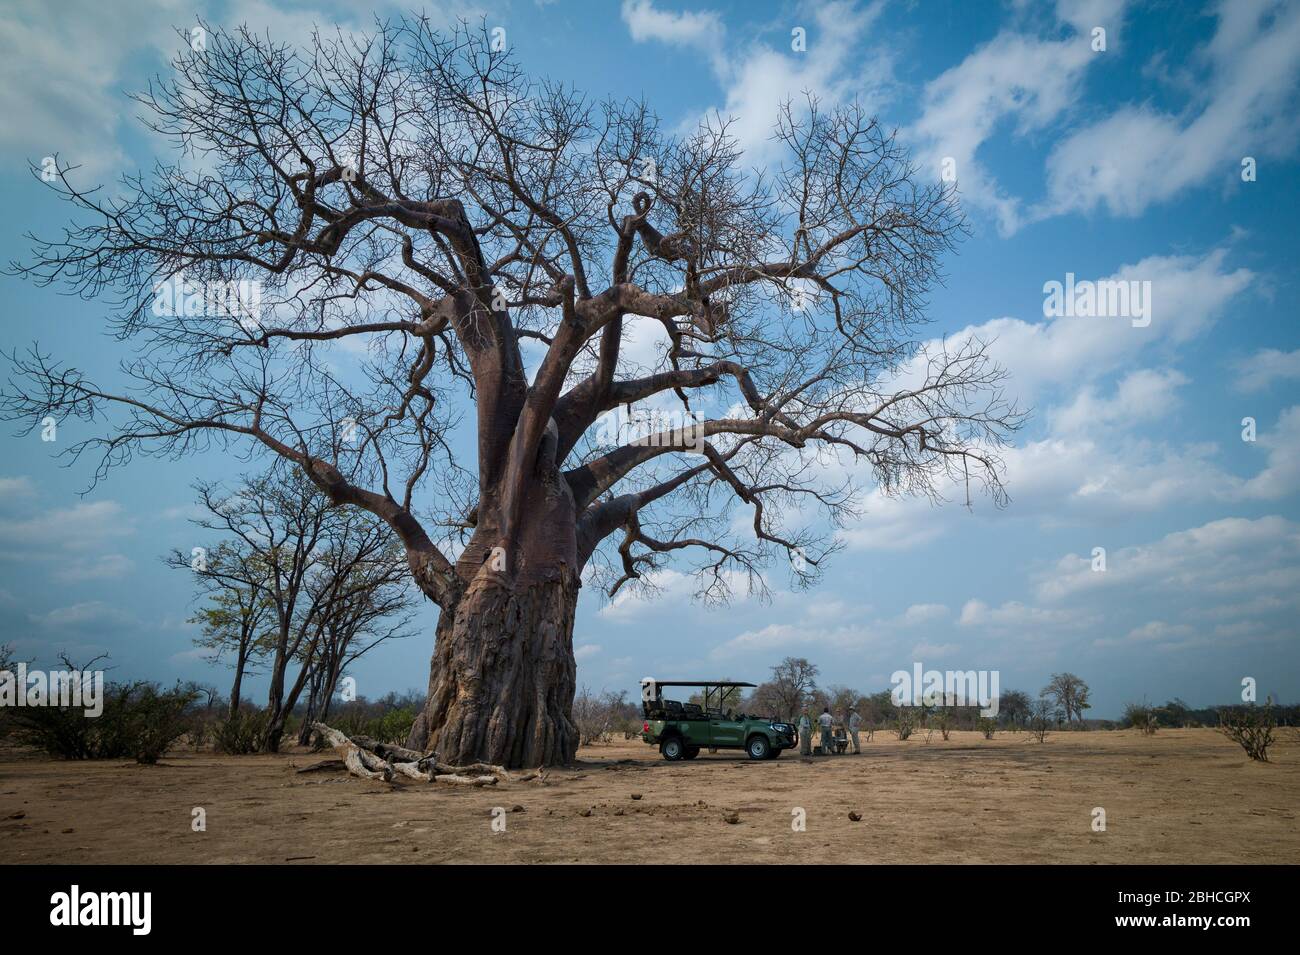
[[144, 720], [1062, 704]]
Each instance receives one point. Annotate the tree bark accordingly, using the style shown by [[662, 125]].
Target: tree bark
[[237, 687], [502, 677]]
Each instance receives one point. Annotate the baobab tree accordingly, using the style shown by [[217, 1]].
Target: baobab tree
[[1070, 694], [370, 250]]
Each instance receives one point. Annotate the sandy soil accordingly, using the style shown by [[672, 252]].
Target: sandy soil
[[1182, 796]]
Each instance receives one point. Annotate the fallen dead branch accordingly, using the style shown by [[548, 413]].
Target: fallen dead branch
[[371, 759]]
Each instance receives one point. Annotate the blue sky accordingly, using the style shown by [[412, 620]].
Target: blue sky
[[1124, 162]]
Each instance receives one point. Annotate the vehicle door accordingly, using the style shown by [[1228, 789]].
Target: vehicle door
[[725, 732]]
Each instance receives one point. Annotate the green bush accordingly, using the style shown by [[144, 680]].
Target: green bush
[[139, 721], [242, 733], [391, 726], [157, 720], [1141, 716]]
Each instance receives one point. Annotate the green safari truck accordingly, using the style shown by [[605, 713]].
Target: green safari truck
[[681, 730]]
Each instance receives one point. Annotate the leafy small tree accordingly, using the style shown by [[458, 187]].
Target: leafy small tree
[[1142, 717], [793, 684], [1069, 693]]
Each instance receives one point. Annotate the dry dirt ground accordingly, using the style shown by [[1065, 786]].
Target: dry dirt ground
[[1181, 796]]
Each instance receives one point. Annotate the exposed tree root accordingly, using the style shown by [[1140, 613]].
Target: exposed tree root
[[371, 759]]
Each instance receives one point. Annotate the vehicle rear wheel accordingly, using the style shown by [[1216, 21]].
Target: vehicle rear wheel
[[672, 748], [758, 747], [692, 752]]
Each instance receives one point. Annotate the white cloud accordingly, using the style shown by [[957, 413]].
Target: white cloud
[[81, 528], [702, 28], [16, 487], [1013, 615], [62, 74], [86, 616], [1015, 77], [1281, 475], [918, 614], [934, 651], [94, 567], [1140, 155], [1144, 395], [779, 638], [757, 77], [1264, 368], [1233, 555]]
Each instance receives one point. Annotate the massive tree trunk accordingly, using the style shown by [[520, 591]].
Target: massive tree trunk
[[502, 677]]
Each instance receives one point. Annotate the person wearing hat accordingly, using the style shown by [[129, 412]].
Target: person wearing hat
[[855, 724]]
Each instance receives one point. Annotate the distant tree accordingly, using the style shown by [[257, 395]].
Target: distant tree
[[1069, 693], [294, 580], [597, 716], [236, 620], [364, 592], [1014, 707], [878, 709], [1043, 715], [1175, 712], [794, 681], [843, 699]]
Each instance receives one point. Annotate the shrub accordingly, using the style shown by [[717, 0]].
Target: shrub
[[157, 720], [391, 726], [242, 733], [1141, 716], [1041, 718], [904, 722], [987, 726], [1251, 727], [943, 718], [138, 720]]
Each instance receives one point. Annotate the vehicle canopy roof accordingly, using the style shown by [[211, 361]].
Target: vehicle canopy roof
[[716, 692], [652, 680]]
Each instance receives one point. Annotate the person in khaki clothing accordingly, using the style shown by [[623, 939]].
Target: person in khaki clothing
[[855, 724], [827, 721], [805, 734]]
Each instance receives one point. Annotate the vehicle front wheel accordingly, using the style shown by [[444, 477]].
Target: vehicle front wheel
[[775, 753], [692, 752], [672, 748], [758, 747]]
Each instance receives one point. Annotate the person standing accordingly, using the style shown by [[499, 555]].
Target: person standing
[[827, 721], [805, 734], [855, 724]]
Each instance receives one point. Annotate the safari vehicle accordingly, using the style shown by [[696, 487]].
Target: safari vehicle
[[681, 730]]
